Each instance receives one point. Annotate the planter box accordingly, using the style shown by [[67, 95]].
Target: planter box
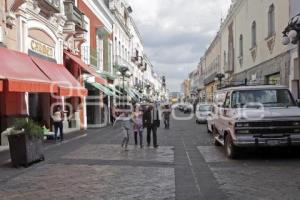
[[25, 150]]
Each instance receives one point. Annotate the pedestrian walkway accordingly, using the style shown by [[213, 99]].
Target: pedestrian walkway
[[96, 167]]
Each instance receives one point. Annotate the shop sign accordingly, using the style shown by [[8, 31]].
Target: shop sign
[[41, 48]]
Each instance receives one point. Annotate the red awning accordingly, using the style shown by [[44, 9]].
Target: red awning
[[67, 84], [85, 67], [1, 85], [20, 74]]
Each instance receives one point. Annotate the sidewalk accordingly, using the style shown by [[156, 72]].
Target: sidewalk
[[96, 167], [5, 154]]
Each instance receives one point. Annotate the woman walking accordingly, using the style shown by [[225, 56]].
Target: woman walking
[[58, 118], [138, 126]]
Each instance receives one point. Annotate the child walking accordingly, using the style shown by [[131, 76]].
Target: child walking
[[125, 122], [138, 126]]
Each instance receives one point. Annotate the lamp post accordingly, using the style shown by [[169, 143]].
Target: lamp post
[[291, 34], [124, 72], [220, 77], [148, 87]]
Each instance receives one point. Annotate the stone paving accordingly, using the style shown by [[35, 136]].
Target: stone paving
[[88, 172], [58, 181], [254, 178], [114, 152], [186, 166]]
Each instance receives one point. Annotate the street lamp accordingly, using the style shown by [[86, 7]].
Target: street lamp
[[291, 34], [124, 72], [219, 77], [148, 88]]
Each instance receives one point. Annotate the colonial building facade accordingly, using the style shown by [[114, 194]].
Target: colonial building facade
[[62, 53], [250, 49], [259, 56], [32, 72]]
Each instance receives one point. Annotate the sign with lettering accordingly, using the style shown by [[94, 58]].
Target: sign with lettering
[[41, 48]]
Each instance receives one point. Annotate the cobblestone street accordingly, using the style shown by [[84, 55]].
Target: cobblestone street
[[185, 166]]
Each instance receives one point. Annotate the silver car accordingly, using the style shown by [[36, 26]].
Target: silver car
[[203, 111]]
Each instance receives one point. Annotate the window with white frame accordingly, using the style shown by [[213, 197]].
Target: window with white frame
[[253, 34], [271, 20], [241, 46]]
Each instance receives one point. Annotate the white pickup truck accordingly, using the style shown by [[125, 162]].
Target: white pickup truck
[[254, 116]]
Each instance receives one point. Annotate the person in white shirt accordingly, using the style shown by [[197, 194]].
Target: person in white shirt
[[58, 117]]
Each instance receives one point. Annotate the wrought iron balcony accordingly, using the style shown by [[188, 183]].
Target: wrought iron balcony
[[73, 14], [119, 62], [49, 7], [134, 59]]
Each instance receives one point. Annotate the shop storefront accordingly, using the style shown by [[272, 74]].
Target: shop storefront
[[32, 86], [210, 90], [98, 94], [273, 79], [210, 87]]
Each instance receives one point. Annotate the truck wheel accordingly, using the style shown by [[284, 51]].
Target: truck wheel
[[232, 151]]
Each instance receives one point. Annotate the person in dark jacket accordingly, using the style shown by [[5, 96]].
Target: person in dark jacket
[[151, 122], [166, 116]]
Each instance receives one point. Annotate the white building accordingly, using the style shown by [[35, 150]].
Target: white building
[[251, 41], [294, 63]]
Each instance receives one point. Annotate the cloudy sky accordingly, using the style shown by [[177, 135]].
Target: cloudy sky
[[177, 32]]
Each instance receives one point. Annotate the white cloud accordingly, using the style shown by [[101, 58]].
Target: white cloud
[[177, 32]]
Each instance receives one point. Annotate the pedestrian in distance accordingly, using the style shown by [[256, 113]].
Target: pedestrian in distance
[[125, 122], [112, 114], [58, 118], [151, 121], [138, 126], [166, 116]]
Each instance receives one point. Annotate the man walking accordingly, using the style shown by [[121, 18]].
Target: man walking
[[166, 116], [151, 121]]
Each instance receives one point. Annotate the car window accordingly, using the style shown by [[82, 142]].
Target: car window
[[267, 97], [220, 98], [205, 108]]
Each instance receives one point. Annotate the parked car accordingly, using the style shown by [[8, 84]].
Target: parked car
[[187, 109], [202, 113], [181, 108], [210, 120], [255, 116]]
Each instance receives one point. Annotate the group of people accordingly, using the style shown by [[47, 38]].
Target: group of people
[[147, 118]]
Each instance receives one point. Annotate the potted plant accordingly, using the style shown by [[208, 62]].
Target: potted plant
[[26, 143]]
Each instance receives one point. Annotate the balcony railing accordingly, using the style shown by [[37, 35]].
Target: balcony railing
[[74, 14], [49, 6], [120, 62]]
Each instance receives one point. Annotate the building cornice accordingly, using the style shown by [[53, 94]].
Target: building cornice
[[234, 8], [136, 30]]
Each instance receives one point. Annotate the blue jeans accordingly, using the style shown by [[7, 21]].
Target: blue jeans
[[58, 125], [125, 138], [140, 133]]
